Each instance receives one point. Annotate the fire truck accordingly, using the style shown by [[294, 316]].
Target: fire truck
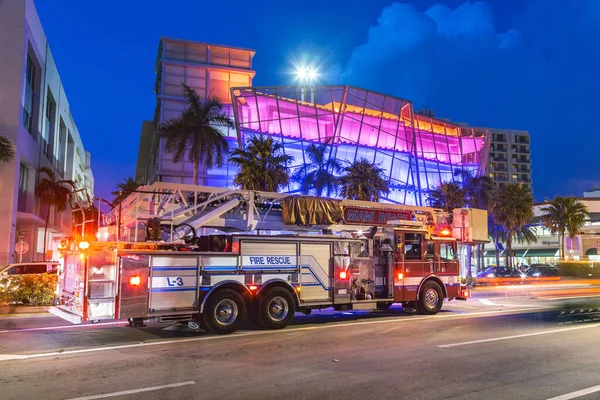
[[211, 257]]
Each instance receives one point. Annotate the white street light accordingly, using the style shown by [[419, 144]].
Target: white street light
[[306, 75]]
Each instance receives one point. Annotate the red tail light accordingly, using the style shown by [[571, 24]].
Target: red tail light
[[466, 294], [400, 276], [252, 288], [343, 274], [135, 280]]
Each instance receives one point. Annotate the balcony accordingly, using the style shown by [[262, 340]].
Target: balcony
[[500, 157], [522, 140]]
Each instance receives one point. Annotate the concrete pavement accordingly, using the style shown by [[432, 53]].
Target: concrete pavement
[[472, 350]]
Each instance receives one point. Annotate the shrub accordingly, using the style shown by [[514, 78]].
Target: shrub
[[579, 269], [32, 289]]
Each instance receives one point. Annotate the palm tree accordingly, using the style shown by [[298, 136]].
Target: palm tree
[[320, 175], [124, 189], [479, 189], [363, 180], [7, 152], [564, 215], [448, 196], [53, 191], [196, 133], [512, 208], [263, 165]]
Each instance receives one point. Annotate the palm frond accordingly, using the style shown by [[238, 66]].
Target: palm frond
[[7, 152]]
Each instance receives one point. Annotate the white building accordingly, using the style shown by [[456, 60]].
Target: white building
[[584, 245], [35, 116]]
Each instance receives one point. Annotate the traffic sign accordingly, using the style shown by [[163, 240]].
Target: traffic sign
[[22, 247]]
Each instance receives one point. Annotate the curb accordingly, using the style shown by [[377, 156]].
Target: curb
[[20, 310]]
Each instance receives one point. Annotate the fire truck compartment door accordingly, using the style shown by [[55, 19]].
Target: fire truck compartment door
[[134, 286], [315, 277], [174, 282]]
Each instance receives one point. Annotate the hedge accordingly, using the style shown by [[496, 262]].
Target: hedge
[[579, 269], [31, 289]]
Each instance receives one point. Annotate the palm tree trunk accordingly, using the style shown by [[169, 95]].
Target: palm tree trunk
[[46, 233], [509, 249], [496, 245], [561, 237], [196, 168]]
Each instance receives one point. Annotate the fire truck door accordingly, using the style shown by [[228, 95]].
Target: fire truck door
[[414, 262]]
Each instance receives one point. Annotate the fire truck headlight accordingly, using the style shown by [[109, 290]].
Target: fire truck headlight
[[83, 245]]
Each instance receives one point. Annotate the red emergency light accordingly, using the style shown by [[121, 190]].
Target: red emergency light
[[135, 280], [343, 274], [466, 294]]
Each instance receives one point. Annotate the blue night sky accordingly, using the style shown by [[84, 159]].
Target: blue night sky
[[520, 64]]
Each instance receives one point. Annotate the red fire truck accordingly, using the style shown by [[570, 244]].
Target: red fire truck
[[212, 257]]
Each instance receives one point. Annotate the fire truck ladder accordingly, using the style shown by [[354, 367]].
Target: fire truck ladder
[[186, 208]]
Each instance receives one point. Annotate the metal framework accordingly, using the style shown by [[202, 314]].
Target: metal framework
[[417, 152], [180, 209]]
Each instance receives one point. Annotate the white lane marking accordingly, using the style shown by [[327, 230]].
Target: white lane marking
[[133, 391], [488, 302], [10, 357], [50, 328], [569, 297], [447, 346], [578, 393]]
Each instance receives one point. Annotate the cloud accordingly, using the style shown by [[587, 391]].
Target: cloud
[[537, 73]]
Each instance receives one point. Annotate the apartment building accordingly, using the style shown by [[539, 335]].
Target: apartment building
[[35, 117], [212, 70]]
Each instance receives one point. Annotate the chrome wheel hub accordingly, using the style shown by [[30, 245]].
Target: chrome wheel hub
[[432, 298], [226, 312], [278, 308]]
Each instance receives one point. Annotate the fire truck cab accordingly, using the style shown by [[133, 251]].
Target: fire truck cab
[[219, 280]]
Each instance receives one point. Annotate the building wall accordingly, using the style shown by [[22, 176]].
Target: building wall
[[211, 70], [510, 157], [37, 119]]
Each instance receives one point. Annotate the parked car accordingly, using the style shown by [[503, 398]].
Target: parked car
[[495, 275], [541, 272], [50, 267]]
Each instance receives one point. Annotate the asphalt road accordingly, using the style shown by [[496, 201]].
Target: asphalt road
[[491, 347]]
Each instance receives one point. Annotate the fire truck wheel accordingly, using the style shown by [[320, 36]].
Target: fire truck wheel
[[276, 308], [225, 311], [431, 298]]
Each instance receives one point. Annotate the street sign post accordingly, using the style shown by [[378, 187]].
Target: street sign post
[[21, 247]]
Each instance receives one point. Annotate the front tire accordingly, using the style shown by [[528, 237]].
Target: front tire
[[431, 298], [225, 312], [276, 308]]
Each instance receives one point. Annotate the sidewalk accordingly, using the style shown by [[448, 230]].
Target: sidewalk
[[22, 310]]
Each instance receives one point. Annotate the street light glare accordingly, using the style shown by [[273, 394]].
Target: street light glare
[[306, 74]]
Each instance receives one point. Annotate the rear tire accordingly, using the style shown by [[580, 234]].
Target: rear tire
[[276, 308], [431, 298], [225, 312]]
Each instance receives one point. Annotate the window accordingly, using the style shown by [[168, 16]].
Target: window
[[29, 95], [35, 269], [515, 176], [22, 197], [23, 177], [430, 250], [412, 246], [446, 252]]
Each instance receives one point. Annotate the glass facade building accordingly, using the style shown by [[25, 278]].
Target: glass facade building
[[416, 152]]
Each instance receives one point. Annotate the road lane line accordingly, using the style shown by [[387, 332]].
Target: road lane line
[[487, 302], [578, 393], [51, 328], [13, 357], [447, 346], [134, 391]]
